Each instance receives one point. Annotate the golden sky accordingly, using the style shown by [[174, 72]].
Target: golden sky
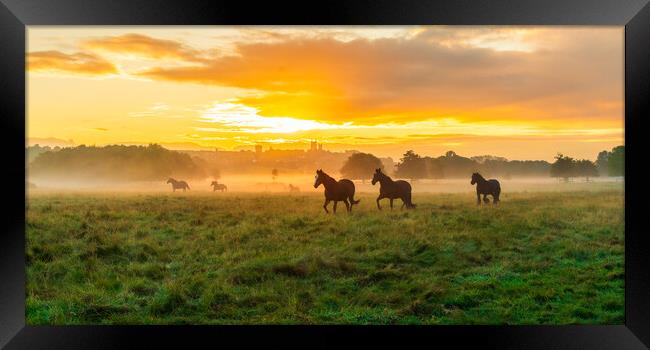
[[517, 92]]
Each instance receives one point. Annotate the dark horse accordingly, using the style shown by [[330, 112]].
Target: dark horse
[[392, 189], [342, 190], [218, 187], [485, 187]]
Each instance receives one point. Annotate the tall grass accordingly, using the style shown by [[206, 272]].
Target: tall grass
[[537, 258]]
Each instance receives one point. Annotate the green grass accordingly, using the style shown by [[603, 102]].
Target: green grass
[[537, 258]]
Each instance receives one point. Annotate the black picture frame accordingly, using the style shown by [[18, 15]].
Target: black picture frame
[[15, 15]]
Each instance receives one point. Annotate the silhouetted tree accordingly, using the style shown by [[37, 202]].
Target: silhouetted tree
[[616, 161], [563, 167], [411, 166], [454, 165], [602, 161], [361, 166], [586, 168]]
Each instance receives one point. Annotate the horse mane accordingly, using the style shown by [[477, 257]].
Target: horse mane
[[326, 176], [385, 176], [479, 176]]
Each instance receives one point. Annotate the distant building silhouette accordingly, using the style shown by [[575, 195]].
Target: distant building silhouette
[[258, 149], [315, 146]]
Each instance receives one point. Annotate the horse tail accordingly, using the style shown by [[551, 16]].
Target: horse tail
[[352, 201], [409, 202], [351, 197], [497, 193]]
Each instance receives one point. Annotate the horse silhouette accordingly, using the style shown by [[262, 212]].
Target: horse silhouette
[[218, 187], [392, 189], [293, 188], [178, 184], [485, 187], [342, 190]]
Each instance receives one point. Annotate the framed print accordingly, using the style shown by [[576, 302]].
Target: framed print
[[464, 172]]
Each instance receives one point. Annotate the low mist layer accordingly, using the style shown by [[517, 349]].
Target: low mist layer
[[147, 168]]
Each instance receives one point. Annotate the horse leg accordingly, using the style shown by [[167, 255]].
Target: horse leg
[[485, 198], [327, 201], [335, 203], [478, 198], [378, 199], [348, 206], [391, 203]]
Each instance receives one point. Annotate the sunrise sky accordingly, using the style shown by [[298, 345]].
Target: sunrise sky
[[516, 92]]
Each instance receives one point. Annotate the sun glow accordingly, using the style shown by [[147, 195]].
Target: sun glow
[[236, 117]]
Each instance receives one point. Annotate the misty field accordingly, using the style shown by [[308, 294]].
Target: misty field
[[233, 258]]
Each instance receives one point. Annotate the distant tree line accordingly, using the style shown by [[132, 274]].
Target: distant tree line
[[451, 165], [566, 167], [34, 151], [153, 162], [115, 162], [608, 163], [412, 166]]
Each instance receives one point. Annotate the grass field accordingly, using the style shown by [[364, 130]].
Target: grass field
[[204, 258]]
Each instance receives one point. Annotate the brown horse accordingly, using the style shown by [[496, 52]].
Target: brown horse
[[178, 184], [392, 189], [342, 190], [485, 187], [218, 187]]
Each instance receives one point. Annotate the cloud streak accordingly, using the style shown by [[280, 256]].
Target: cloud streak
[[143, 46], [83, 63]]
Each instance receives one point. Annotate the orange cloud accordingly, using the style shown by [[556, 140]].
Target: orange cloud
[[406, 79], [144, 46], [554, 77], [76, 63]]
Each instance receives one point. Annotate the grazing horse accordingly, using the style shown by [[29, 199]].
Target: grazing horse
[[178, 184], [392, 189], [485, 187], [218, 187], [342, 190]]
